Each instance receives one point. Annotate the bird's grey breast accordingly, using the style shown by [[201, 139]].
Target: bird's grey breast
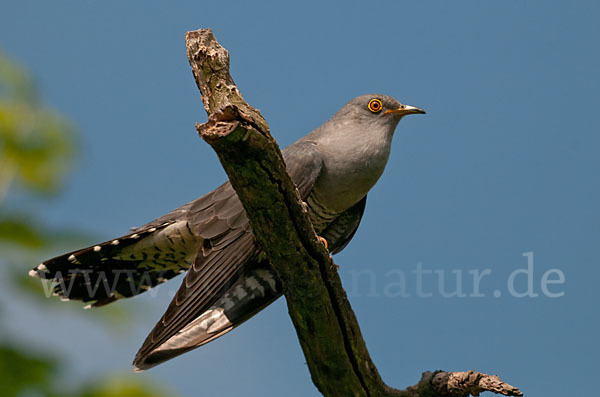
[[353, 160]]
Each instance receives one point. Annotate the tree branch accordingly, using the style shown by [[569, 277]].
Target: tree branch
[[326, 326]]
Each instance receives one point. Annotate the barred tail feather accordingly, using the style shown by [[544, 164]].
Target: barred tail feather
[[122, 267], [253, 291]]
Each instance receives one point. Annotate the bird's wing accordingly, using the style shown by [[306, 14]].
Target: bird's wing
[[227, 245], [304, 163], [226, 285], [343, 228], [248, 294]]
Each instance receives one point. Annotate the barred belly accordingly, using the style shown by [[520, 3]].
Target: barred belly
[[320, 216]]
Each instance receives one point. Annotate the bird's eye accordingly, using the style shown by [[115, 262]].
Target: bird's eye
[[375, 105]]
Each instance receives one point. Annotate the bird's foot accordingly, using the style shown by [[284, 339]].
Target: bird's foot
[[321, 239], [304, 206]]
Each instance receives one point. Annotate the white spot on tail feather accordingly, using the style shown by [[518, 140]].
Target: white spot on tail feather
[[34, 273], [115, 242], [268, 277], [254, 285], [72, 258], [42, 268], [134, 236], [239, 292], [97, 248], [226, 302]]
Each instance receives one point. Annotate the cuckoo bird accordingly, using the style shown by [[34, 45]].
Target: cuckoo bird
[[227, 279]]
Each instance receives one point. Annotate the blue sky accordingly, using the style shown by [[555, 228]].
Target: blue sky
[[504, 163]]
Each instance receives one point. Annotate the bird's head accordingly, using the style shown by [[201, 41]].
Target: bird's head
[[379, 108], [371, 115]]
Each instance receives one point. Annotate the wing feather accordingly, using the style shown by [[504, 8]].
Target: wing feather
[[343, 228], [228, 251]]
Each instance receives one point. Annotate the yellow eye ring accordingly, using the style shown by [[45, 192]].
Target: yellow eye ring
[[375, 105]]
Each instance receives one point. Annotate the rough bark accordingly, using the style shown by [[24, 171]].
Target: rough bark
[[326, 326]]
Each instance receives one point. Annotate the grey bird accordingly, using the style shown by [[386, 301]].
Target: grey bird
[[228, 279]]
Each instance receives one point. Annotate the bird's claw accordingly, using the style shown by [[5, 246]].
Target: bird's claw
[[304, 207], [322, 240]]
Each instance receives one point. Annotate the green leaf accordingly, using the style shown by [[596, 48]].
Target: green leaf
[[20, 231], [21, 371], [124, 387]]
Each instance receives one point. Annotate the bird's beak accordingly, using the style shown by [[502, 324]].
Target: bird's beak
[[403, 110]]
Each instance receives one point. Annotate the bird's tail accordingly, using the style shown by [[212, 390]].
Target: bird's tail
[[249, 294], [123, 267]]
